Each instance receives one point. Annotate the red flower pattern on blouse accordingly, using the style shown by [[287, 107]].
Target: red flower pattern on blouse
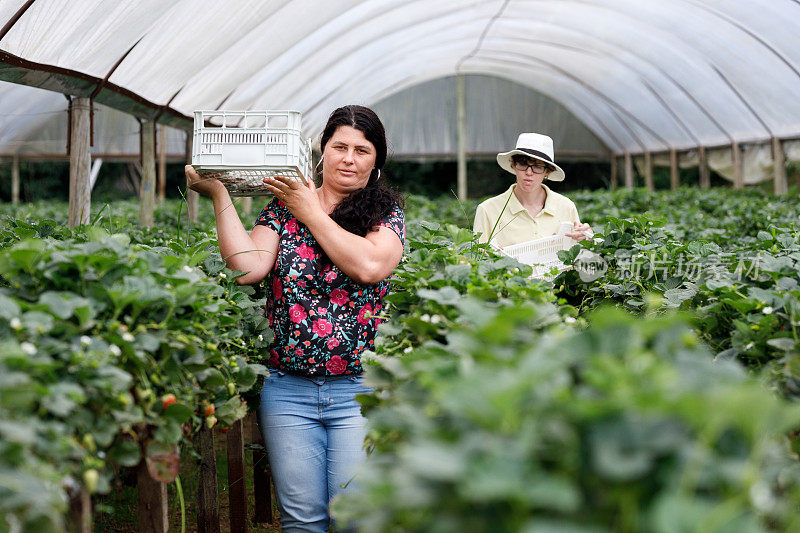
[[365, 314], [277, 288], [336, 365], [297, 313], [339, 297], [322, 327], [332, 343], [305, 251], [322, 319]]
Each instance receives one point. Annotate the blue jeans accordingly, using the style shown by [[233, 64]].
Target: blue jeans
[[314, 434]]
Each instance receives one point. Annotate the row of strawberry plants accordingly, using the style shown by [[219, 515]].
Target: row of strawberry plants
[[116, 347], [729, 257], [497, 407]]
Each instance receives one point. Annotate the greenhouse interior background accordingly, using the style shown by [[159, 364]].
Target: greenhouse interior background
[[697, 90], [647, 380]]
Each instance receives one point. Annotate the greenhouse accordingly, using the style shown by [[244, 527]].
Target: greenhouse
[[609, 343]]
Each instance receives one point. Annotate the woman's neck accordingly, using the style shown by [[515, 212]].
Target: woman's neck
[[532, 199], [329, 199]]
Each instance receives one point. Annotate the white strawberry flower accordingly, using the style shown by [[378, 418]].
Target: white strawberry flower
[[28, 348]]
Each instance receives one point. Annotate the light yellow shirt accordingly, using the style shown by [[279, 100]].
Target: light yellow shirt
[[516, 224]]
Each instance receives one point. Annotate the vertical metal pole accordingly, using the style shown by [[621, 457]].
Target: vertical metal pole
[[15, 179], [738, 167], [79, 164], [147, 190], [705, 176], [162, 162], [674, 177], [192, 197], [779, 167], [461, 134], [613, 172], [648, 171], [628, 171]]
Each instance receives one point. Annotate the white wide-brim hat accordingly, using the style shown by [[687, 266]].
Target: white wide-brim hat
[[535, 146]]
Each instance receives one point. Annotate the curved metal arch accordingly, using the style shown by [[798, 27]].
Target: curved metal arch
[[14, 18], [743, 29], [655, 66], [483, 35], [749, 32], [613, 106], [416, 80], [642, 77]]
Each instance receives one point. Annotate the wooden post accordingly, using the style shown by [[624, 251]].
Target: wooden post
[[629, 181], [613, 172], [152, 511], [461, 135], [246, 205], [162, 162], [15, 180], [79, 164], [705, 176], [207, 495], [80, 512], [237, 501], [674, 176], [779, 167], [648, 171], [262, 490], [192, 197], [147, 190], [738, 166]]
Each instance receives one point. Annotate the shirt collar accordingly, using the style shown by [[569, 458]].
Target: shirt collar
[[514, 205]]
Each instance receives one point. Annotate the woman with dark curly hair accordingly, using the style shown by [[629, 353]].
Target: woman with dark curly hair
[[328, 252]]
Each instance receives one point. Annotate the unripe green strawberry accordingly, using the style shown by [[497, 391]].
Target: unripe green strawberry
[[90, 479]]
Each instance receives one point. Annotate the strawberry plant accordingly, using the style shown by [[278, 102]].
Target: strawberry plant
[[114, 351], [509, 424]]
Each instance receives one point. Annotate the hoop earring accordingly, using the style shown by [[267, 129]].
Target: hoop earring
[[379, 175]]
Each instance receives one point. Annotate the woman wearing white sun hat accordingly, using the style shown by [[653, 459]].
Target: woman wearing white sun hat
[[528, 209]]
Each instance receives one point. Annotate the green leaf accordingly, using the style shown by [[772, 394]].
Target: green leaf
[[210, 378], [178, 412], [125, 453], [783, 343]]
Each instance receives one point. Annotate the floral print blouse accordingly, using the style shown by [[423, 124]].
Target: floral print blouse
[[322, 319]]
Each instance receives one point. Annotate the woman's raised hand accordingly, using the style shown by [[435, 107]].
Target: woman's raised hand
[[300, 196], [580, 231], [205, 186]]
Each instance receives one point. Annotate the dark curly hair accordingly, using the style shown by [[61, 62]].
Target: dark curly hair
[[362, 210]]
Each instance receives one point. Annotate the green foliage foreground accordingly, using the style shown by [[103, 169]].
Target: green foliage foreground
[[111, 351], [502, 403]]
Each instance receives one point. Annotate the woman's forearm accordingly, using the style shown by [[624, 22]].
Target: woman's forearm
[[363, 260], [236, 246]]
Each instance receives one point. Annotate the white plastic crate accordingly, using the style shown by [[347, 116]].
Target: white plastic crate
[[541, 254], [241, 148]]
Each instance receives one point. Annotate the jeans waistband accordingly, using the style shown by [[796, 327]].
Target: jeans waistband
[[319, 380]]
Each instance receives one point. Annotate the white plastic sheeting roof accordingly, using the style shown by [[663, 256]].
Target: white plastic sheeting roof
[[34, 124], [639, 74]]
